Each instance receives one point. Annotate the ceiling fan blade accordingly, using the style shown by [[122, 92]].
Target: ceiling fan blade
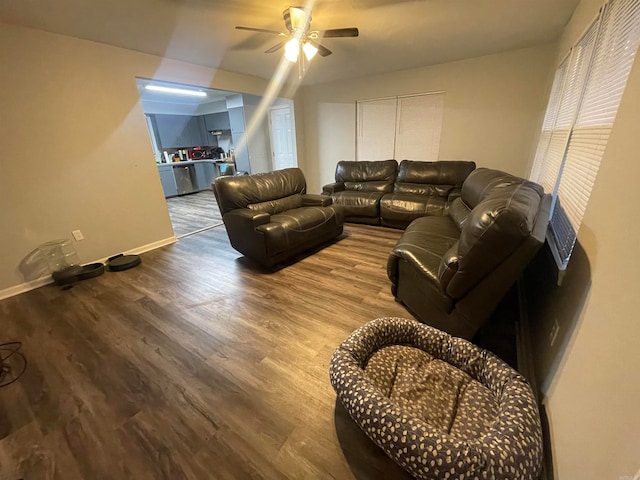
[[339, 32], [275, 48], [322, 50], [262, 30]]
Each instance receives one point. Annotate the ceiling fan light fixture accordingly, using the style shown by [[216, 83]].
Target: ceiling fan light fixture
[[309, 50], [297, 18], [300, 42], [292, 49]]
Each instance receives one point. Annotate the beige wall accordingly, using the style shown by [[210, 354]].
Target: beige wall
[[75, 148], [593, 397], [493, 110]]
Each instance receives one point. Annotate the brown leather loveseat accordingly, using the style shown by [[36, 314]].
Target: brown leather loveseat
[[383, 193], [270, 218], [451, 271]]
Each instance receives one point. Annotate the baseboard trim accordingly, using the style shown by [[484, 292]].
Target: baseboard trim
[[149, 246], [41, 282], [25, 287]]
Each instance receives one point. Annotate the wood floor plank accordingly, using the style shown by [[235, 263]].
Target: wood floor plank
[[22, 455], [190, 213], [233, 456], [197, 364]]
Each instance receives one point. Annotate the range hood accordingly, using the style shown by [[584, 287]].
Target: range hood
[[220, 132]]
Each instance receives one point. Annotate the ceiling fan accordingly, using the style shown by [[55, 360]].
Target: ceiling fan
[[299, 37]]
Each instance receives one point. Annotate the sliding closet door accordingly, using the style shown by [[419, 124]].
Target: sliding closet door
[[376, 129], [418, 127], [406, 127]]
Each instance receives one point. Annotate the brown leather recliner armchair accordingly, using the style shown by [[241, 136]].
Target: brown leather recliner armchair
[[452, 271], [270, 218]]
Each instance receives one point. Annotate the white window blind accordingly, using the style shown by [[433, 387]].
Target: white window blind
[[601, 63], [549, 122], [406, 127], [573, 85]]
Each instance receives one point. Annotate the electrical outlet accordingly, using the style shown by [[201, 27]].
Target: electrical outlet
[[554, 332], [77, 234]]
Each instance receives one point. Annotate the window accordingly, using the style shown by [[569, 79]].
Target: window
[[584, 100], [406, 127]]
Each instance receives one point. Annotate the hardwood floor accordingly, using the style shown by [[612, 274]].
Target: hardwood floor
[[193, 212], [195, 365]]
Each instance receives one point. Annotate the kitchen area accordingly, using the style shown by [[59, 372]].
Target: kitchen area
[[198, 134], [194, 150]]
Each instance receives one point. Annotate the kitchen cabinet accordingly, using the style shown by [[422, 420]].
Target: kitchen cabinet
[[205, 174], [259, 142], [181, 178], [241, 152], [252, 153], [172, 130], [238, 125], [236, 120], [168, 180], [179, 131], [217, 121], [197, 132], [206, 139]]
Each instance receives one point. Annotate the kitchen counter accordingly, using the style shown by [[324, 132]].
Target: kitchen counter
[[189, 162]]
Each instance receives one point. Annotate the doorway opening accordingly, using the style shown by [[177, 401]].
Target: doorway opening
[[198, 134]]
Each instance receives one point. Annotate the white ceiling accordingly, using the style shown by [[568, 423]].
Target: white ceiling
[[394, 34]]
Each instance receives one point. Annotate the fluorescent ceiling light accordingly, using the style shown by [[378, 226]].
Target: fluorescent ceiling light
[[291, 49], [177, 91]]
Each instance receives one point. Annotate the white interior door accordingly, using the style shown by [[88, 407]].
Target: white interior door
[[283, 144]]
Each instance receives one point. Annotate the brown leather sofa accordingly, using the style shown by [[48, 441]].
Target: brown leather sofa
[[359, 186], [270, 218], [423, 189], [451, 271], [383, 193]]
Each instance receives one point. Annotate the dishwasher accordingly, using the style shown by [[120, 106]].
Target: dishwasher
[[185, 178]]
